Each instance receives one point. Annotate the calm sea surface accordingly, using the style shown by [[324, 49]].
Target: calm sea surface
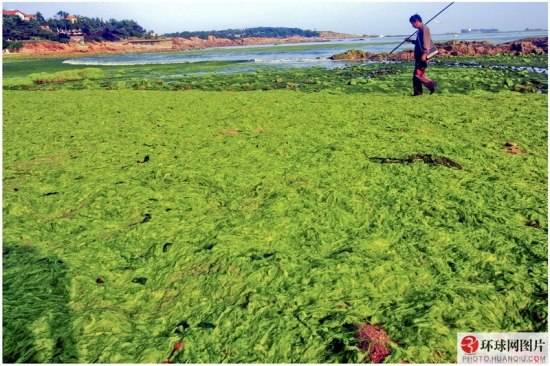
[[293, 55]]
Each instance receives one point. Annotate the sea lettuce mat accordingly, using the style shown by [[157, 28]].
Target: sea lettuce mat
[[257, 227]]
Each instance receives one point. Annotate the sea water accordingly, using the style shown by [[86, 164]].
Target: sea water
[[294, 55]]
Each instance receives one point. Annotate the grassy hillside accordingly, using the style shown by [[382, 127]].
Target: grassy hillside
[[262, 226]]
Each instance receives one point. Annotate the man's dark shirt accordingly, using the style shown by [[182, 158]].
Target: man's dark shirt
[[423, 42]]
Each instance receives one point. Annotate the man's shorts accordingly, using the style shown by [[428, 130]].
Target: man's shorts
[[419, 64]]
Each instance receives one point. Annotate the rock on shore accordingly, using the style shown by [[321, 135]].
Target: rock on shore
[[457, 48]]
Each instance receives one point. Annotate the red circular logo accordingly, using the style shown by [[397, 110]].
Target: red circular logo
[[469, 344]]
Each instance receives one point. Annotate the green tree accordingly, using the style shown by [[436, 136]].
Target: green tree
[[94, 29], [40, 17], [275, 32], [14, 46], [62, 14]]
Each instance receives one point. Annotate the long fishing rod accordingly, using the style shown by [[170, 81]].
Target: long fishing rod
[[432, 18]]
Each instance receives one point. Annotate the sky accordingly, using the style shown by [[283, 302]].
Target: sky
[[352, 17]]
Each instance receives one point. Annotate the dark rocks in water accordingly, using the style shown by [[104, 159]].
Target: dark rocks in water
[[336, 345], [425, 158], [146, 218], [436, 160], [533, 223], [256, 257], [140, 280], [50, 260], [457, 48], [480, 48], [145, 159], [181, 327], [206, 325], [527, 46], [208, 246], [351, 55], [184, 324]]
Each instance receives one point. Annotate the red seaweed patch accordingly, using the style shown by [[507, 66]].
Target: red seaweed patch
[[374, 340]]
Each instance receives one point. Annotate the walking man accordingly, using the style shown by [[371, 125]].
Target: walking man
[[422, 46]]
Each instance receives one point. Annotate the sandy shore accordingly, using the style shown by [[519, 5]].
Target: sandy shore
[[49, 48]]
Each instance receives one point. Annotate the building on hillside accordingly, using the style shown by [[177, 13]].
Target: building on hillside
[[71, 18], [75, 35], [18, 13]]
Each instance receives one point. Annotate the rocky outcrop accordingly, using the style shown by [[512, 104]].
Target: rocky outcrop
[[352, 55], [457, 48], [526, 46], [475, 48]]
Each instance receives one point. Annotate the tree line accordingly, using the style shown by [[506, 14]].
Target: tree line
[[56, 29], [271, 32]]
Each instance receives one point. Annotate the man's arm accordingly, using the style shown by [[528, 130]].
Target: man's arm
[[427, 39]]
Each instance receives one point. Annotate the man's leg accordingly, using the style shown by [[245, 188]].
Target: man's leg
[[417, 84], [424, 80]]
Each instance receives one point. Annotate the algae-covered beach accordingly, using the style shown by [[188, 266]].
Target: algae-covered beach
[[214, 212]]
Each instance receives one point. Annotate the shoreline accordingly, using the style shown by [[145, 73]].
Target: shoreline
[[448, 49], [33, 49], [50, 49]]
